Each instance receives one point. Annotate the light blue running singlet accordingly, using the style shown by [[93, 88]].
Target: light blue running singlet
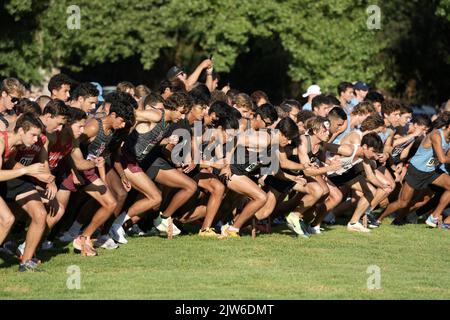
[[425, 160], [338, 139]]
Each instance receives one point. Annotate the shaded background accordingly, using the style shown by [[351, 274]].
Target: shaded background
[[280, 47]]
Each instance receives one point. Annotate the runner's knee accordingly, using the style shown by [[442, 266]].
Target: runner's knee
[[8, 220], [316, 190]]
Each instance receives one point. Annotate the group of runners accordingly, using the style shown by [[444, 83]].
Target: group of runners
[[89, 169]]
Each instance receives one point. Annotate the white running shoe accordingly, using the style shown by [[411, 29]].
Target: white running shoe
[[432, 221], [293, 223], [162, 224], [47, 245], [135, 230], [105, 242], [358, 227], [67, 237], [118, 234], [314, 230]]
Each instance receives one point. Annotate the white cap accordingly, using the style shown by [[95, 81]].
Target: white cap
[[314, 89]]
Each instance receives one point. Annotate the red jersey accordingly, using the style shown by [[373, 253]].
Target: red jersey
[[58, 151], [27, 155]]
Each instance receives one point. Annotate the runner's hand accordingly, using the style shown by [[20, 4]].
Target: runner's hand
[[226, 172], [51, 190], [126, 183], [35, 169], [45, 177], [300, 180], [52, 207], [189, 167], [99, 162], [173, 139]]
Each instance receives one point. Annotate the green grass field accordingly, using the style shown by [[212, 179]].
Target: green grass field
[[413, 259]]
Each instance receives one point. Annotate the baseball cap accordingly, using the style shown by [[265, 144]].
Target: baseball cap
[[100, 91], [361, 86], [173, 72], [314, 89]]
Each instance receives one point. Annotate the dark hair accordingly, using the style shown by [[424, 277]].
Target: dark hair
[[372, 140], [442, 121], [227, 123], [221, 109], [374, 96], [25, 105], [58, 80], [257, 95], [218, 95], [177, 100], [116, 97], [289, 129], [200, 95], [337, 112], [175, 85], [75, 115], [304, 115], [343, 86], [122, 109], [85, 90], [319, 100], [422, 120], [56, 108], [405, 109], [153, 99], [267, 111], [333, 100], [27, 121], [390, 106], [372, 122], [128, 99]]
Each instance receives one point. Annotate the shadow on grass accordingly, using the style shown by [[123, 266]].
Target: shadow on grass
[[8, 260], [46, 255]]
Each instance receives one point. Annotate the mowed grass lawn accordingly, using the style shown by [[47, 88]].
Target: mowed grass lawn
[[414, 263]]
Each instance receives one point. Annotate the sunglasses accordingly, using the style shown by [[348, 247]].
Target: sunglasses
[[14, 100]]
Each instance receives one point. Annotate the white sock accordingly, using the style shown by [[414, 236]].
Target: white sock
[[75, 228], [121, 219], [233, 229]]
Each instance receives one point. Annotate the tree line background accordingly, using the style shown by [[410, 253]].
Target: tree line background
[[279, 46]]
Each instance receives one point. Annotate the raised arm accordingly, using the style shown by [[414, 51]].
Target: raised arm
[[193, 78], [151, 116]]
